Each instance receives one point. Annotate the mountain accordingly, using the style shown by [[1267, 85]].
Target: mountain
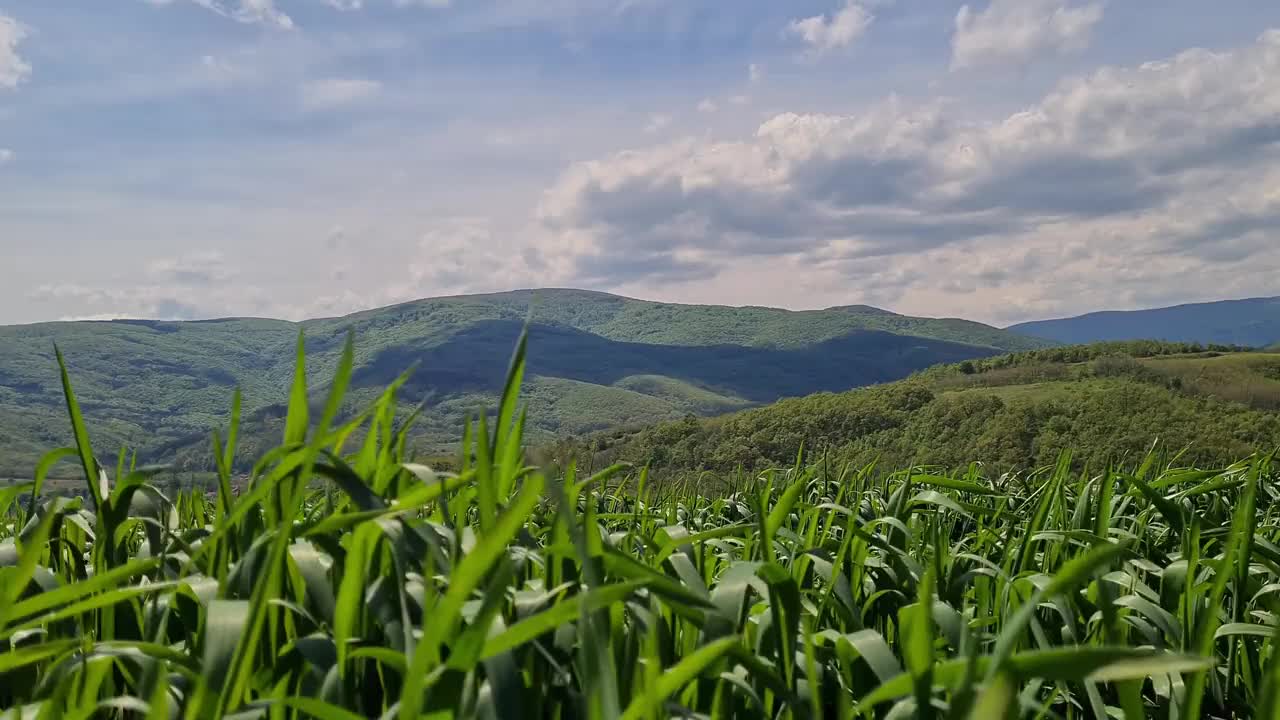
[[1106, 402], [596, 361], [1251, 323]]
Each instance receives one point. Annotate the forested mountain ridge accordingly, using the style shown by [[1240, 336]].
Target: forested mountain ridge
[[596, 361], [1254, 323]]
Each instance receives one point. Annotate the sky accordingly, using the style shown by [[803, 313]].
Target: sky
[[999, 160]]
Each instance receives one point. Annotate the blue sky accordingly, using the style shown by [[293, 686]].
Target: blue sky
[[999, 159]]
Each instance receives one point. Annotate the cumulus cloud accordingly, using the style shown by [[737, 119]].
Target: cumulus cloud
[[447, 256], [5, 155], [833, 30], [1162, 167], [458, 255], [191, 286], [336, 92], [196, 269], [13, 69], [1015, 30], [119, 303]]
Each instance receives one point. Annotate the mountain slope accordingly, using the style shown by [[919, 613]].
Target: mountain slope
[[1253, 323], [1104, 402], [596, 361], [628, 320]]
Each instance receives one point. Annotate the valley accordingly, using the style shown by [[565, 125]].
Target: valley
[[596, 361]]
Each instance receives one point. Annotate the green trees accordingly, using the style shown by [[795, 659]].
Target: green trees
[[1011, 412]]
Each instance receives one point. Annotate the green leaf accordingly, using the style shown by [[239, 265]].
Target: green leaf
[[916, 623], [92, 473], [295, 424], [684, 672], [955, 484], [225, 623], [561, 613], [465, 578], [998, 701], [1072, 573]]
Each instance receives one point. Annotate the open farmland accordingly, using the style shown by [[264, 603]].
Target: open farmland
[[347, 581]]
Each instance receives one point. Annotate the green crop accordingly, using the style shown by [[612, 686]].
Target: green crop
[[346, 581]]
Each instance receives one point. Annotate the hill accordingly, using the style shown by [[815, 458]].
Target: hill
[[1013, 412], [1253, 323], [596, 361]]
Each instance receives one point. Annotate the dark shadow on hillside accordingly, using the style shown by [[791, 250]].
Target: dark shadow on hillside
[[476, 360]]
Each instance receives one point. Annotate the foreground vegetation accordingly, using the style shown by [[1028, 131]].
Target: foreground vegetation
[[348, 581]]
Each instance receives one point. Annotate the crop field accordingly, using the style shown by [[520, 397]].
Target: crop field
[[345, 580]]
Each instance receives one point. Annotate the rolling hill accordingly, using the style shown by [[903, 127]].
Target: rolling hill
[[596, 361], [1253, 323], [1108, 402]]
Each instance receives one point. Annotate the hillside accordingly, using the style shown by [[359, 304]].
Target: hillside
[[1107, 402], [1252, 323], [596, 361]]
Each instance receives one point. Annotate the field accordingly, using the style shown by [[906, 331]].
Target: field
[[348, 581]]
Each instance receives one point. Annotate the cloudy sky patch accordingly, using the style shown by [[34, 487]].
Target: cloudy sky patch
[[995, 159]]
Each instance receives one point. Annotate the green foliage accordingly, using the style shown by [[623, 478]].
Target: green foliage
[[1011, 413], [161, 387], [1073, 354], [348, 581]]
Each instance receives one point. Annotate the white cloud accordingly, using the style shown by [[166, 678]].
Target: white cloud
[[201, 268], [755, 72], [1158, 169], [347, 5], [452, 255], [336, 92], [13, 69], [833, 31], [707, 106], [1010, 31], [194, 285], [151, 303], [657, 122], [250, 12]]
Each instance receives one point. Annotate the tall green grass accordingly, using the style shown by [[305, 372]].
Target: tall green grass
[[346, 581]]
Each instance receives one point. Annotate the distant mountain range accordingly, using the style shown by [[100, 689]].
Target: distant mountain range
[[1253, 323], [596, 361]]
